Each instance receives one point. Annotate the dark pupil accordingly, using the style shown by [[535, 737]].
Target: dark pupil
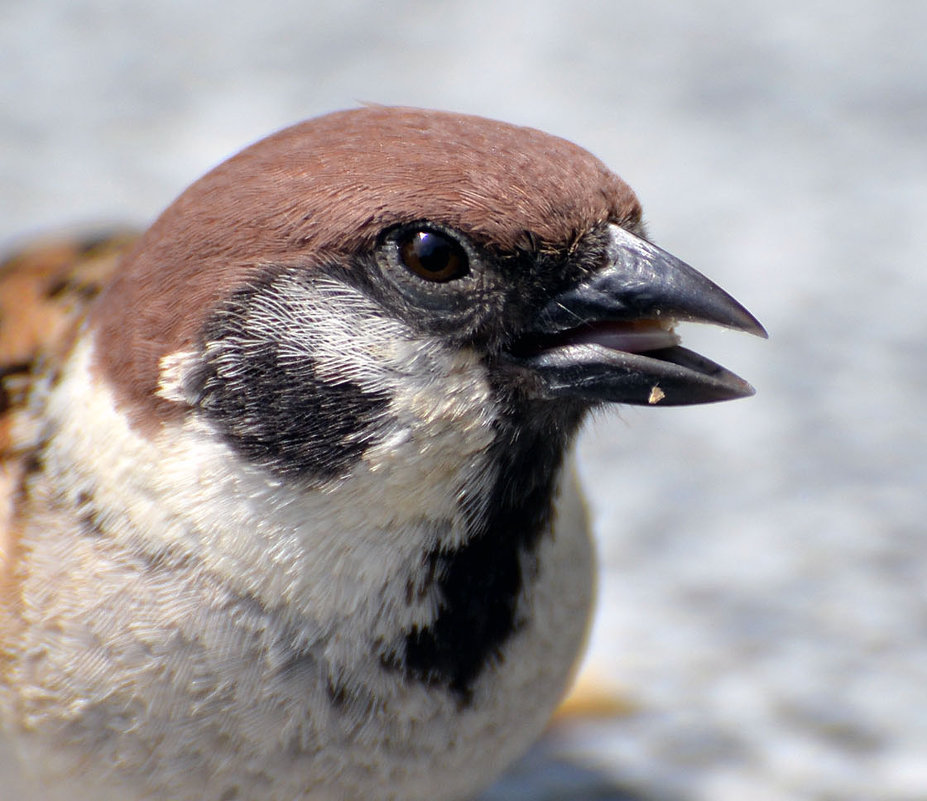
[[433, 253]]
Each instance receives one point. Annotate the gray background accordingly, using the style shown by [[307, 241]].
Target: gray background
[[763, 601]]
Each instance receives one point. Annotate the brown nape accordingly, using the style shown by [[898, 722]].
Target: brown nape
[[329, 186]]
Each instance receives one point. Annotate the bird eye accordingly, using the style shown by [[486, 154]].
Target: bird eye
[[432, 256]]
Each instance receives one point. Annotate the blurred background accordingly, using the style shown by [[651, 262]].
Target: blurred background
[[763, 605]]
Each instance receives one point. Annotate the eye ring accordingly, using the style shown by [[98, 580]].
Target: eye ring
[[432, 256]]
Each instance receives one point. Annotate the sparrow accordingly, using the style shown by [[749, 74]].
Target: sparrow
[[288, 509]]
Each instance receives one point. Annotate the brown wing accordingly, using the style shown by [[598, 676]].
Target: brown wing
[[45, 289]]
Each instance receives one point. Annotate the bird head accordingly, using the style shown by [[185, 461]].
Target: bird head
[[296, 290]]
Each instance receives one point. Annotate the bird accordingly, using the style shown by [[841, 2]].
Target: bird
[[288, 500]]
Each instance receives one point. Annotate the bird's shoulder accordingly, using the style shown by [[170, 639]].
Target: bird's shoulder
[[46, 287]]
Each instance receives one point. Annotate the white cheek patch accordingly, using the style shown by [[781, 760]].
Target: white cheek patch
[[344, 335], [432, 437]]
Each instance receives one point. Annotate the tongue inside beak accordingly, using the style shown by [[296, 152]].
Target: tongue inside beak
[[637, 336]]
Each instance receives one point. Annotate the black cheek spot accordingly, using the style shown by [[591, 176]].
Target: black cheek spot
[[291, 421], [278, 412]]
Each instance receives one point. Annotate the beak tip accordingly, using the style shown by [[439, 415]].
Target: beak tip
[[750, 325]]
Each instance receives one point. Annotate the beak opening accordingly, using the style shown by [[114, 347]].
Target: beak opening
[[611, 339]]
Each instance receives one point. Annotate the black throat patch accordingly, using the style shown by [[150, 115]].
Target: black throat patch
[[480, 582]]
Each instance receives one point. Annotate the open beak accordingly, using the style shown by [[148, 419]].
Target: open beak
[[611, 338]]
